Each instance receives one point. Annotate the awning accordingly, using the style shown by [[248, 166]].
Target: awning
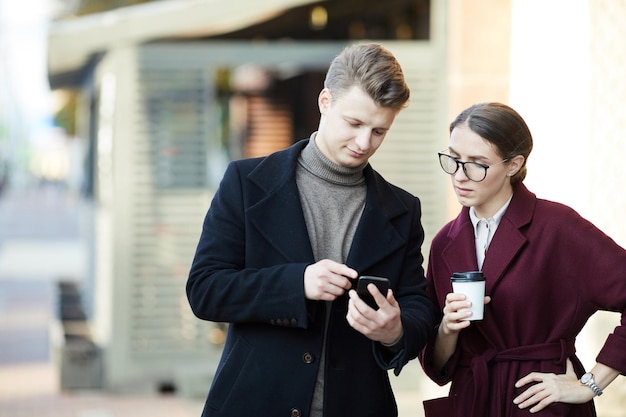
[[73, 43]]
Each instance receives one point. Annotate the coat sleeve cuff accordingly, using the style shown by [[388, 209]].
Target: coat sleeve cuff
[[392, 357], [612, 353]]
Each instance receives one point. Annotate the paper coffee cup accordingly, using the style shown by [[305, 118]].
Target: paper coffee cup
[[472, 284]]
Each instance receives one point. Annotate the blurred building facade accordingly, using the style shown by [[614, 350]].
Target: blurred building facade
[[167, 92]]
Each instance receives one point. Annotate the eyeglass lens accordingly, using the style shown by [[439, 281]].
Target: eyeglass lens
[[474, 171]]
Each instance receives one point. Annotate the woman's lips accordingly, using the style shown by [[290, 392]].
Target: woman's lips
[[464, 192]]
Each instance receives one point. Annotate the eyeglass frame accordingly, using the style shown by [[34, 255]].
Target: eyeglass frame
[[462, 164]]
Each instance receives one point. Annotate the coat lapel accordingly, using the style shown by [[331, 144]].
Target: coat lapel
[[509, 239], [460, 254], [383, 227], [277, 213], [506, 243]]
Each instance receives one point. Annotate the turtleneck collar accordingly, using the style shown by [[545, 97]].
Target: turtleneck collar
[[314, 161]]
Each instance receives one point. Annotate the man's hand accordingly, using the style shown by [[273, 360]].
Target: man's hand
[[326, 280], [383, 325]]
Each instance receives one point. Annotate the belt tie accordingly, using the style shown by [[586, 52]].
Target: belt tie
[[479, 365]]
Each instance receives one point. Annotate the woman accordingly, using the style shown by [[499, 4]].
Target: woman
[[547, 271]]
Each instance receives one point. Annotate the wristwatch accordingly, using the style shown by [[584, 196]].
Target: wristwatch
[[587, 379]]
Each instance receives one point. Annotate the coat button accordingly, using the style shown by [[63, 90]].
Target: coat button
[[295, 412], [308, 357]]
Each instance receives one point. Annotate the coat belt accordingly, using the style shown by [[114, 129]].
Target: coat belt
[[479, 365]]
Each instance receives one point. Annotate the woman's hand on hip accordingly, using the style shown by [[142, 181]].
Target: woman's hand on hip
[[552, 388]]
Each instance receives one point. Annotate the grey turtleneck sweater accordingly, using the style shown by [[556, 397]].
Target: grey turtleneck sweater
[[333, 198]]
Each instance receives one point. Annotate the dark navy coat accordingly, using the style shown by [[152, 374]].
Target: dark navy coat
[[248, 271]]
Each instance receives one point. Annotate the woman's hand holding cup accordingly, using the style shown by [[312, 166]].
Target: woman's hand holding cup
[[457, 311]]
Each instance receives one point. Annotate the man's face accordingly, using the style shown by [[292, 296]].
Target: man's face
[[352, 127]]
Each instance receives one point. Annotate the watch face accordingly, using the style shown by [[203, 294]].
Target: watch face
[[585, 378]]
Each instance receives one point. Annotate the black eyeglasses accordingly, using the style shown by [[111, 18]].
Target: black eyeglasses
[[475, 171]]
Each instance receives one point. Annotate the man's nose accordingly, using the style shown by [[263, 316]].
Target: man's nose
[[364, 140]]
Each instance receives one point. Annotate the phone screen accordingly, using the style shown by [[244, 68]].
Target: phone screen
[[381, 283]]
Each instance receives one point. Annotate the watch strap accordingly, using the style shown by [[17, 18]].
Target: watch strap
[[591, 383]]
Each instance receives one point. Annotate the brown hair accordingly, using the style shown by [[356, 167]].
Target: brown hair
[[501, 126], [372, 68]]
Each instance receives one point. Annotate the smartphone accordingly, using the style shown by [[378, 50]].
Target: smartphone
[[361, 289]]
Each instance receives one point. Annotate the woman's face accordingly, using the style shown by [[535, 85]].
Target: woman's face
[[490, 194]]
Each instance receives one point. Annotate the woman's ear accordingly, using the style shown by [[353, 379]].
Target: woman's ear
[[515, 164]]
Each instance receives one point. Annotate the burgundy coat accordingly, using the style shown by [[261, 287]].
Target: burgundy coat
[[547, 271]]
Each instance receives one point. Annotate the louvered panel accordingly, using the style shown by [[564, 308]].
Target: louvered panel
[[170, 187], [166, 233]]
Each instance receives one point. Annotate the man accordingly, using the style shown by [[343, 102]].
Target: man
[[282, 245]]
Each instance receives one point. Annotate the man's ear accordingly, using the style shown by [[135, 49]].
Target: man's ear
[[324, 100]]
